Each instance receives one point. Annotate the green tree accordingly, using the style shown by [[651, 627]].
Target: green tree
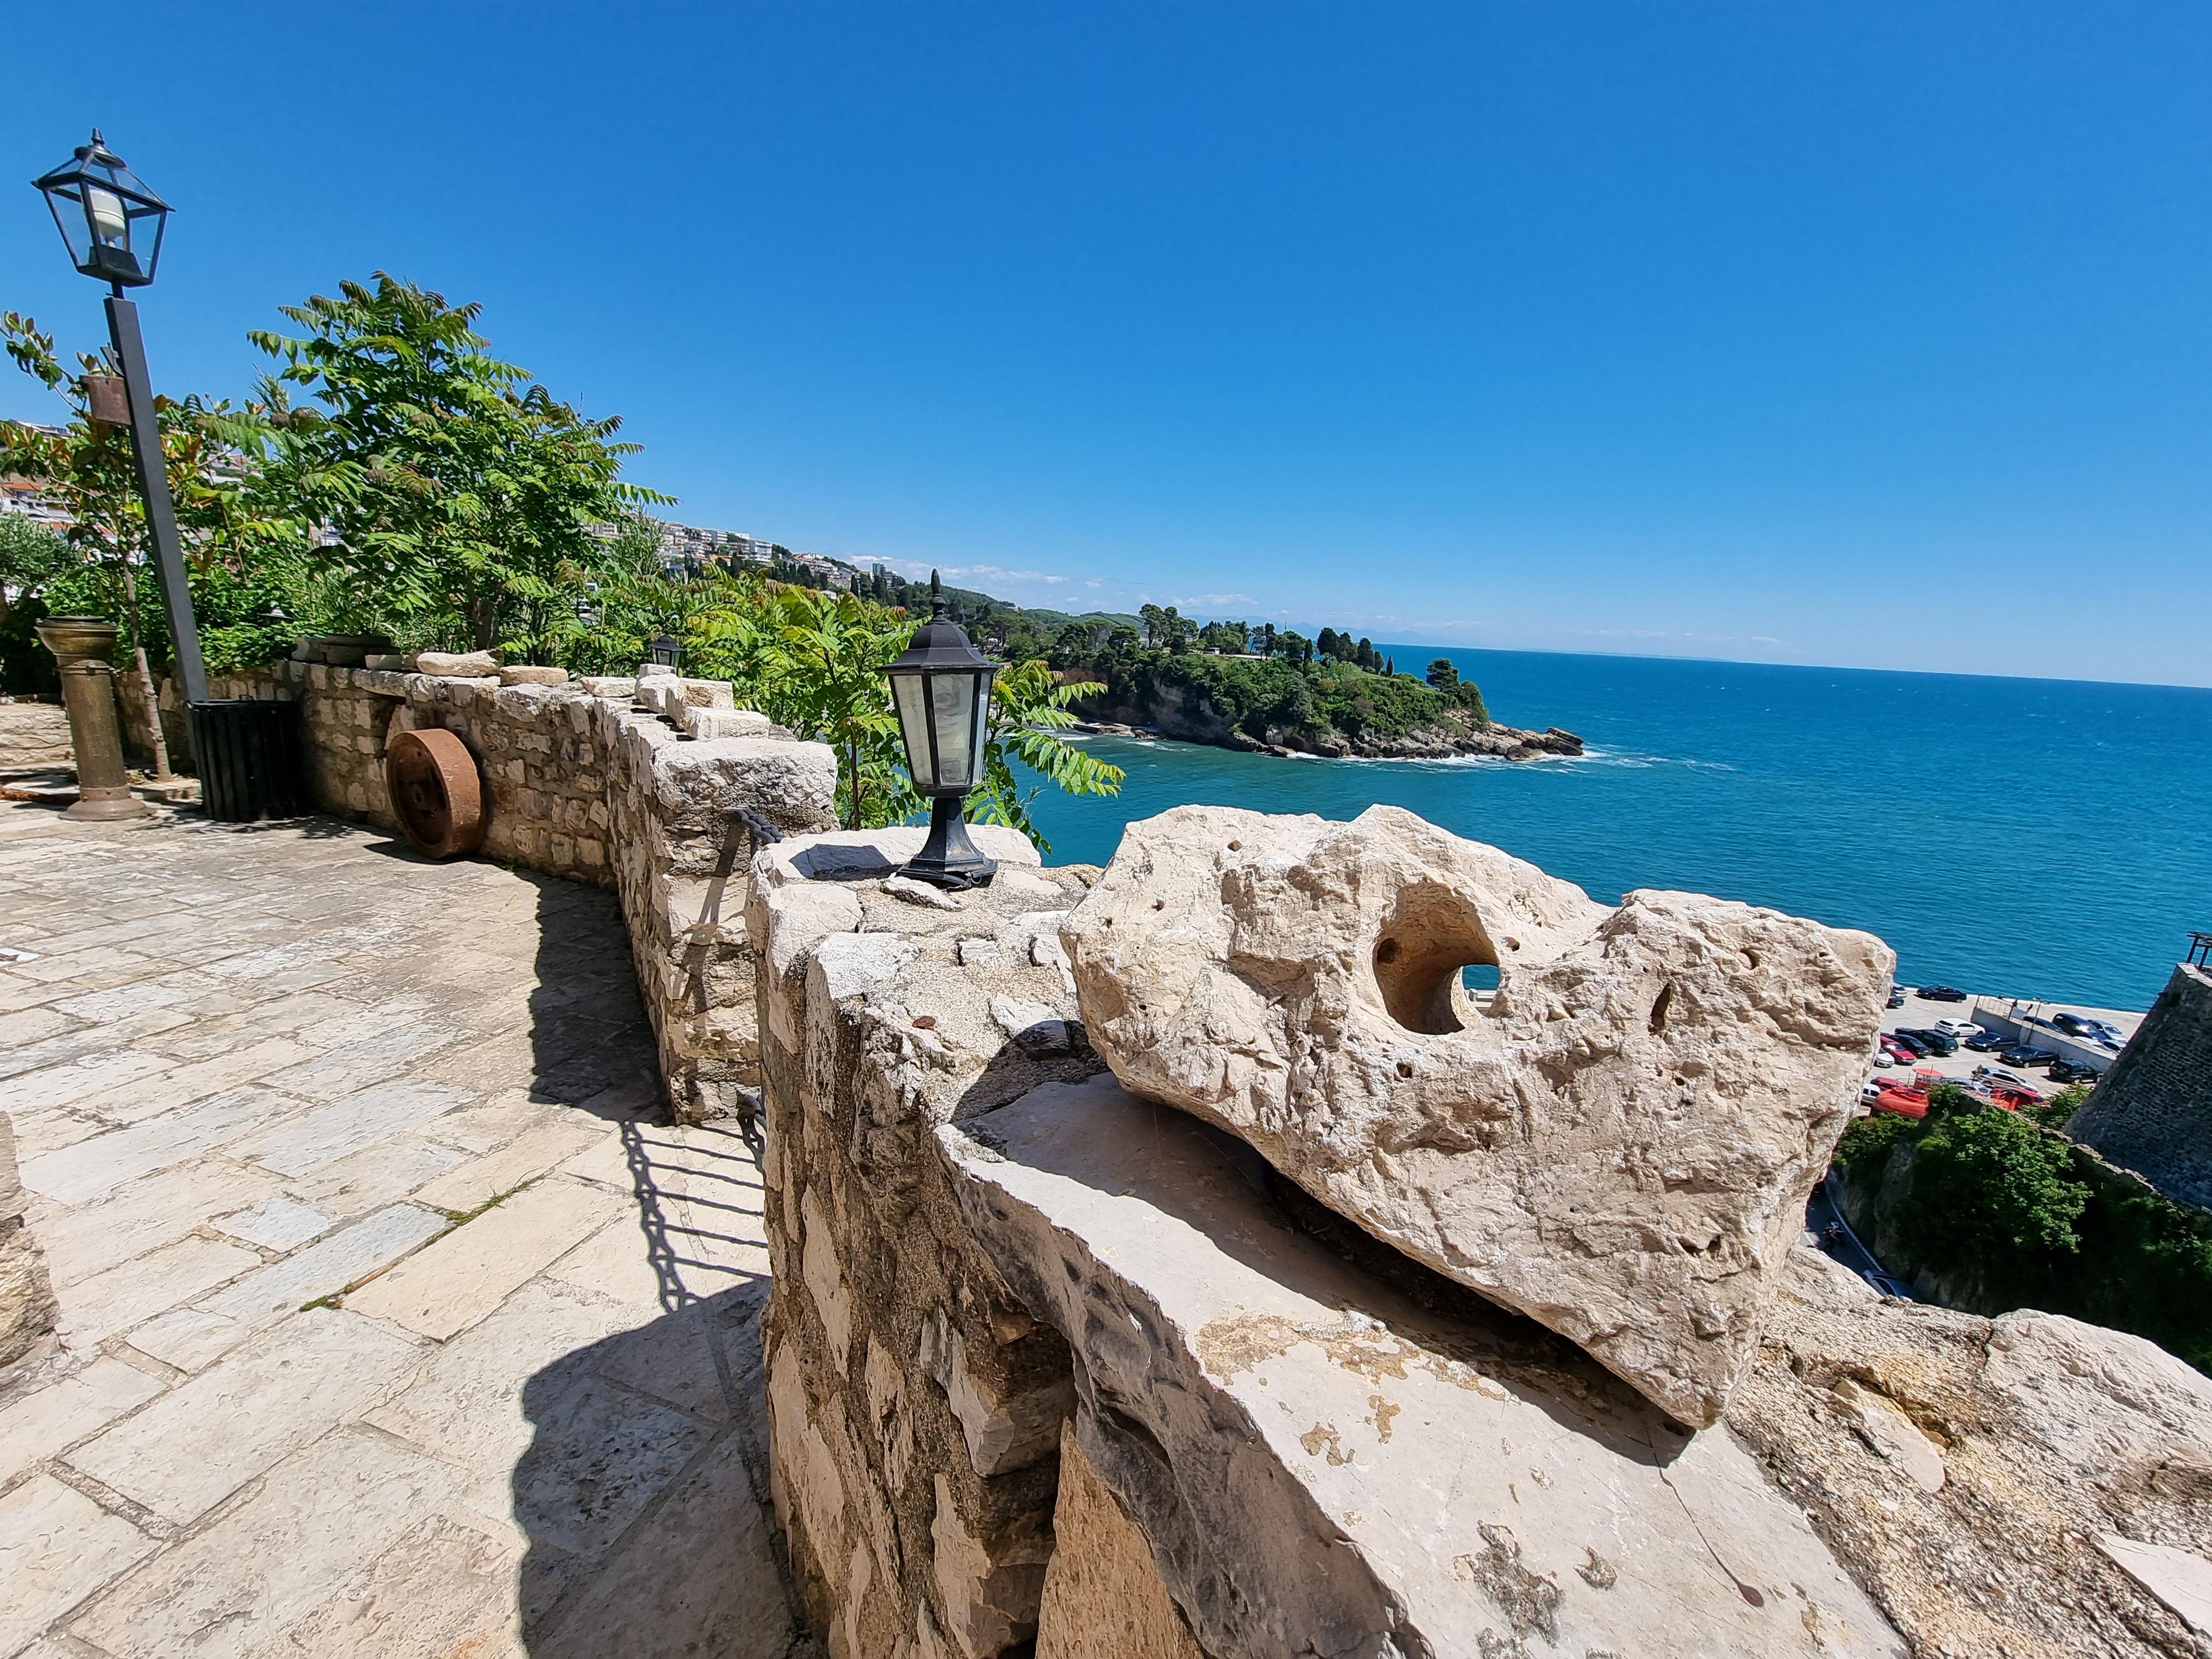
[[1443, 673], [1987, 1184], [2055, 1112], [31, 556], [238, 566], [458, 488], [1029, 710]]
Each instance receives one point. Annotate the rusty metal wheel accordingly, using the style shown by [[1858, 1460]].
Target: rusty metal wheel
[[436, 792]]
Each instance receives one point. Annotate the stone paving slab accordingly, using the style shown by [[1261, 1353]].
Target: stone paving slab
[[315, 1391]]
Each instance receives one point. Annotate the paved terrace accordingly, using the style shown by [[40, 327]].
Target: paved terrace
[[392, 1322]]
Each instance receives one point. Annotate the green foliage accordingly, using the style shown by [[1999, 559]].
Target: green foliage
[[458, 491], [31, 556], [2058, 1111], [813, 661], [1864, 1150], [239, 562], [1986, 1184], [2013, 1215], [1028, 709], [1443, 673]]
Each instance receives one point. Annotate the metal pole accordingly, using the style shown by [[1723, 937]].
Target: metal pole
[[154, 486]]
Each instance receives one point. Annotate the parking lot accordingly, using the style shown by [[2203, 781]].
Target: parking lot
[[1919, 1012]]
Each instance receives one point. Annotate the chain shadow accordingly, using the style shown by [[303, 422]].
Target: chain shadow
[[643, 1490]]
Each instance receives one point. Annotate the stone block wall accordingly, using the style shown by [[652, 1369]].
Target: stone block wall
[[2152, 1113], [633, 785], [915, 1405]]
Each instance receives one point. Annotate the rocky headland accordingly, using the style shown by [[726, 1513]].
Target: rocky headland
[[1346, 715]]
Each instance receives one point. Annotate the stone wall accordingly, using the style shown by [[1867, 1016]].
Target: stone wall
[[916, 1407], [1051, 1364], [633, 785], [2152, 1113]]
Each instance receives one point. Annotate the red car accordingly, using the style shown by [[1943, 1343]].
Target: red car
[[1899, 1054], [1906, 1103]]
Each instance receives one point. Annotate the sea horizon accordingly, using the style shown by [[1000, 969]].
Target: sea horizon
[[2015, 836]]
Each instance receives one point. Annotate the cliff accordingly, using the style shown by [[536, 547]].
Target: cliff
[[1270, 706]]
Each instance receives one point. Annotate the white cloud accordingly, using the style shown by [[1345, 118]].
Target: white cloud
[[917, 568]]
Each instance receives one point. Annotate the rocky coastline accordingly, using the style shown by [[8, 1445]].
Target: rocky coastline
[[1170, 713]]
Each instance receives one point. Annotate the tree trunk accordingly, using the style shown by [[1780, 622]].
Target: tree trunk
[[154, 740]]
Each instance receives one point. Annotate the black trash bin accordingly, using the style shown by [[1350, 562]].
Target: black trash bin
[[247, 750]]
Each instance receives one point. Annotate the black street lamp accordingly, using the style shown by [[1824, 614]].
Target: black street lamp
[[113, 226], [941, 689], [665, 652]]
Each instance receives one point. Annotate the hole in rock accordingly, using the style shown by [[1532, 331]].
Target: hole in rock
[[1659, 1005], [1432, 934]]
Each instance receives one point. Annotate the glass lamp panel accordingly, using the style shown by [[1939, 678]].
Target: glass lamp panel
[[952, 711], [152, 224], [982, 726], [912, 700], [69, 217]]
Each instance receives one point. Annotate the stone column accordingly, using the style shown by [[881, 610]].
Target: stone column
[[80, 645]]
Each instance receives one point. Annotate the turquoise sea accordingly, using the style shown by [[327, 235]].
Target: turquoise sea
[[2049, 838]]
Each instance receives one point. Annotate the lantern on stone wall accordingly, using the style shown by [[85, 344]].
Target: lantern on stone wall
[[665, 652], [941, 690]]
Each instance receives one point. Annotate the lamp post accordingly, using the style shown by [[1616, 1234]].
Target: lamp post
[[941, 690], [113, 226]]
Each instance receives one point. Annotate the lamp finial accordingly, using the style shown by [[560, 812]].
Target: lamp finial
[[936, 597]]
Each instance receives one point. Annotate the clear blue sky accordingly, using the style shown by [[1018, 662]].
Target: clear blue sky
[[1875, 335]]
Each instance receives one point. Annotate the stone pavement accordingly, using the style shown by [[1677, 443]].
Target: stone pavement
[[394, 1320]]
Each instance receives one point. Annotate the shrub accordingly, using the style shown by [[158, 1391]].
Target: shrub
[[1987, 1185], [1865, 1148]]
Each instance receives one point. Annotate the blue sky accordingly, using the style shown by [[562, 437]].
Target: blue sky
[[1875, 335]]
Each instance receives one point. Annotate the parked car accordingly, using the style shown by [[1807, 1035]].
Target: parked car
[[2105, 1035], [1941, 994], [1906, 1103], [1935, 1042], [2022, 1054], [1988, 1042], [1961, 1029], [1883, 1058], [2012, 1099], [1913, 1047], [2072, 1024], [1870, 1091], [1896, 997], [1998, 1078], [2070, 1071]]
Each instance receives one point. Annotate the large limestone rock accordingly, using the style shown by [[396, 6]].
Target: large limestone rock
[[1618, 1142], [1320, 1464]]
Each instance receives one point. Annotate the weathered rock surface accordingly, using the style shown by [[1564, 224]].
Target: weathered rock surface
[[2028, 1485], [1103, 1595], [1320, 1465], [531, 674], [1618, 1142], [468, 664]]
